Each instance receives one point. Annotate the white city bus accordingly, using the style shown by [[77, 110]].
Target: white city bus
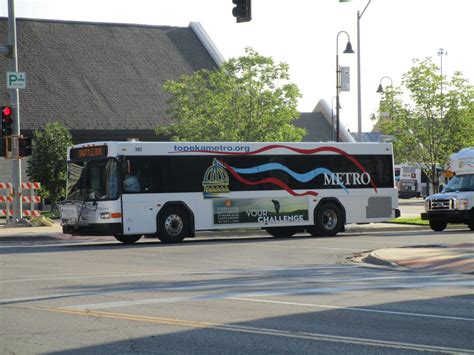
[[171, 190], [408, 181]]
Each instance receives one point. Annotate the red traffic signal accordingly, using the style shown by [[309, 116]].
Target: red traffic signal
[[7, 120], [242, 10], [7, 110]]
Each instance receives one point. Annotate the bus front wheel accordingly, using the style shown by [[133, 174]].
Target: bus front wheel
[[128, 239], [327, 220], [173, 225]]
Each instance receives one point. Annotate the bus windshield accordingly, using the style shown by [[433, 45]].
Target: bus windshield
[[93, 180]]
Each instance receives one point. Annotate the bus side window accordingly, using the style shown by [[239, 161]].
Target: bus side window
[[146, 178], [130, 181]]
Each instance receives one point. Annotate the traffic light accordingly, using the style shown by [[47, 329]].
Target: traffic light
[[242, 10], [25, 146], [7, 120], [3, 147]]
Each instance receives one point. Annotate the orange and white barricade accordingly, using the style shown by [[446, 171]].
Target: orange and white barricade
[[6, 198], [31, 198]]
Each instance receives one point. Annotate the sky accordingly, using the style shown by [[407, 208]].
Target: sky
[[303, 34]]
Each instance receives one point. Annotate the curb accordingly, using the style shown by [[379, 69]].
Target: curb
[[383, 227], [22, 231], [440, 258]]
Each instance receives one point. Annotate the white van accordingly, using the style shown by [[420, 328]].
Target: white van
[[455, 204]]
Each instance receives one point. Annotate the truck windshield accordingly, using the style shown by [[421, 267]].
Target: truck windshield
[[460, 183], [93, 180]]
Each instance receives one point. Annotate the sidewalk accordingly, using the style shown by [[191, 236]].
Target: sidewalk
[[450, 258]]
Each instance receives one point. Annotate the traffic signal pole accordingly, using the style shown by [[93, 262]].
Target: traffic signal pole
[[15, 104]]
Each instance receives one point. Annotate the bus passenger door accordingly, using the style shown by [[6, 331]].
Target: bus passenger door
[[139, 214]]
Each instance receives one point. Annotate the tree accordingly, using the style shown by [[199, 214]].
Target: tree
[[434, 121], [247, 99], [48, 161]]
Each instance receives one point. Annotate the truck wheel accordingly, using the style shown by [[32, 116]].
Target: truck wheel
[[327, 220], [173, 225], [471, 224], [438, 226], [128, 239]]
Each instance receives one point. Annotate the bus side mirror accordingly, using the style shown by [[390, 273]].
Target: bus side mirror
[[125, 167]]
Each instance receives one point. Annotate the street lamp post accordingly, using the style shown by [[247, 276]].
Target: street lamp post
[[441, 52], [338, 76], [380, 91], [380, 88], [333, 129], [359, 94]]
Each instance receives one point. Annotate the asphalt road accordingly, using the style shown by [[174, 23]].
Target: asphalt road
[[247, 294]]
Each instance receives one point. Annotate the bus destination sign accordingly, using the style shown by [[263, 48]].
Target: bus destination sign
[[88, 153]]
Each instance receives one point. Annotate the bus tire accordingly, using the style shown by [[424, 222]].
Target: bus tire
[[128, 239], [173, 225], [327, 220], [281, 232], [438, 226]]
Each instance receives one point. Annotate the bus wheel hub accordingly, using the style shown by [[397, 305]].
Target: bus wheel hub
[[173, 225]]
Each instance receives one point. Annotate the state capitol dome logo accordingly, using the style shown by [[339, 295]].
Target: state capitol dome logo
[[216, 180]]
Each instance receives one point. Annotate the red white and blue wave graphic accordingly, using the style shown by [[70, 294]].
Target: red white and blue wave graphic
[[237, 174], [305, 177], [301, 177]]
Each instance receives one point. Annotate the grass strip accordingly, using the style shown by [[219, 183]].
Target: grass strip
[[412, 220]]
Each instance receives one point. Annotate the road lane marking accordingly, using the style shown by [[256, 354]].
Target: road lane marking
[[308, 247], [253, 271], [61, 277], [251, 330], [287, 291], [269, 289], [358, 309]]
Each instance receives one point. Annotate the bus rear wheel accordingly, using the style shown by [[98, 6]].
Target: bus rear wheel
[[173, 225], [128, 239], [327, 221]]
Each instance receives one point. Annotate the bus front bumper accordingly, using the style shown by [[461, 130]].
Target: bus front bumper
[[94, 229]]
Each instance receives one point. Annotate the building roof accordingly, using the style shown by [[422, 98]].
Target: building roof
[[319, 123], [369, 136], [102, 78]]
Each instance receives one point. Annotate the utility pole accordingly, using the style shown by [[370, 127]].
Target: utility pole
[[359, 90], [441, 52], [10, 52]]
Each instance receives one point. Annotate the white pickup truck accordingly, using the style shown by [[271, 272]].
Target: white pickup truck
[[455, 204]]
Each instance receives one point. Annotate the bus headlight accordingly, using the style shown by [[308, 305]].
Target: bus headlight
[[109, 215], [105, 215], [462, 204]]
